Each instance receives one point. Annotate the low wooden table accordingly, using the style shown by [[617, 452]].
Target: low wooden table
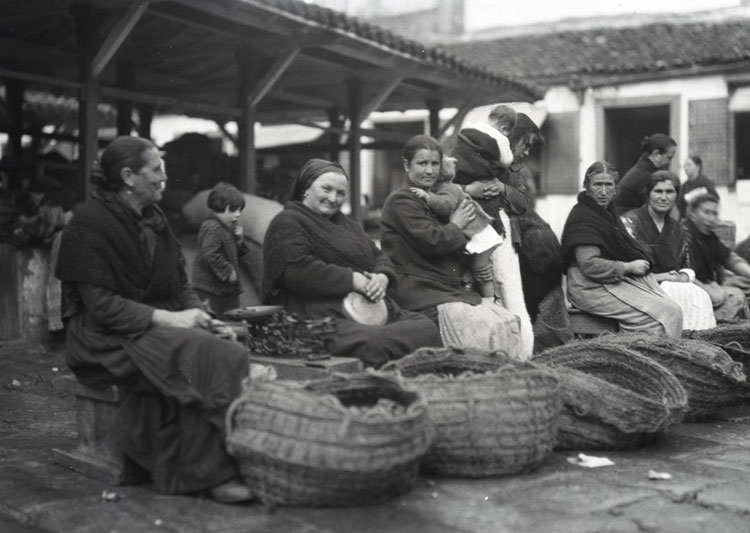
[[301, 368]]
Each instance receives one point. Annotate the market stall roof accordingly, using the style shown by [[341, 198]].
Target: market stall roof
[[195, 56]]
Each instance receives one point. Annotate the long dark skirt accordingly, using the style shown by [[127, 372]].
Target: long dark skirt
[[376, 345], [179, 383]]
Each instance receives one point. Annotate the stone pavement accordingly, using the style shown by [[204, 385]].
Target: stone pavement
[[709, 490]]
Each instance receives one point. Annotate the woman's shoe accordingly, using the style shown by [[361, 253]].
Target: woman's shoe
[[233, 491]]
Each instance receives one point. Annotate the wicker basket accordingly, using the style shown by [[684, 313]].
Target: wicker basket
[[709, 375], [339, 441], [614, 397], [724, 335], [494, 415]]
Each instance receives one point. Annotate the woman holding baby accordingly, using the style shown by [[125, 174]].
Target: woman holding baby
[[427, 251]]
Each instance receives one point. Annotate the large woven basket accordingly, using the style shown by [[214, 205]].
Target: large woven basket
[[339, 441], [494, 415], [613, 397], [709, 375], [737, 335]]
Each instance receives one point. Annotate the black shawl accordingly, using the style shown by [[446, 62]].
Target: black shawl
[[108, 244], [668, 248], [590, 224], [297, 232]]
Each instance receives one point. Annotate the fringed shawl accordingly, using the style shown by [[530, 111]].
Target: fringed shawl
[[667, 248], [297, 233], [590, 224], [108, 244]]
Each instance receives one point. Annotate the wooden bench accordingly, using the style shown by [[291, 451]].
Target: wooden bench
[[585, 325], [97, 453]]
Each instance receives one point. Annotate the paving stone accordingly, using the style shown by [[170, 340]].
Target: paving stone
[[662, 515], [734, 496]]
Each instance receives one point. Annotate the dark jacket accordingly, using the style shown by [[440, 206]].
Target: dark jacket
[[218, 256], [632, 190]]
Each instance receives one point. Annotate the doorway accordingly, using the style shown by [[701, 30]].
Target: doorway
[[625, 127], [742, 145]]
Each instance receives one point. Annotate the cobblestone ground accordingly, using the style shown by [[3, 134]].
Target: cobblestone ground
[[709, 490]]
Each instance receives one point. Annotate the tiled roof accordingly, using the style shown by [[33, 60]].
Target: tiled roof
[[571, 57], [439, 56]]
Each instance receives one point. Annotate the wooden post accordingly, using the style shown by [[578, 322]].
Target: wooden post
[[355, 88], [145, 116], [88, 121], [434, 106], [334, 135], [14, 90], [125, 78]]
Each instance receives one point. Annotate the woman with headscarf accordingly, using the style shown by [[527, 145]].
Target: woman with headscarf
[[428, 253], [666, 243], [314, 256], [609, 273], [133, 320]]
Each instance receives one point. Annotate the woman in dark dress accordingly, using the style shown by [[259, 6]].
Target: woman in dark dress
[[132, 320], [314, 255]]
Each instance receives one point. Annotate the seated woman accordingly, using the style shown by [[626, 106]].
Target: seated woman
[[133, 320], [711, 257], [427, 251], [608, 272], [314, 255], [666, 242]]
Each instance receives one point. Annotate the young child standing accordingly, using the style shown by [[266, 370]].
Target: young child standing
[[443, 199], [216, 274]]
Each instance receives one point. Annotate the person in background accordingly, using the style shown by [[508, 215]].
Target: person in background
[[609, 273], [666, 241], [314, 256], [695, 179], [657, 151], [132, 320], [711, 257], [216, 271], [484, 156], [428, 253]]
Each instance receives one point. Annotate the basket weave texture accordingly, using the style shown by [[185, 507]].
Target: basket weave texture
[[344, 440], [737, 335], [494, 415], [709, 375], [613, 397]]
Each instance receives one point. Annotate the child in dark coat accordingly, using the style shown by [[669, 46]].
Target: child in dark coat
[[444, 198], [216, 273]]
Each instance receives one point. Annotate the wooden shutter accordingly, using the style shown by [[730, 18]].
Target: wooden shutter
[[708, 137]]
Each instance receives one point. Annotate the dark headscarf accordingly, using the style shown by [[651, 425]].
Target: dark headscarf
[[311, 171], [524, 126]]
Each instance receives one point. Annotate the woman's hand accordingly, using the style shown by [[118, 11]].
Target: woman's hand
[[233, 276], [371, 285], [238, 231], [463, 214], [189, 318], [493, 187], [639, 267]]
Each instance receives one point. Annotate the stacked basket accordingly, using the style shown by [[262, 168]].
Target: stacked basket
[[613, 397], [338, 441], [494, 415], [709, 375], [735, 340]]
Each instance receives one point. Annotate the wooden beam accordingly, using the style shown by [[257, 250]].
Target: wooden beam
[[117, 36], [187, 105], [14, 90], [276, 70], [366, 132], [303, 99], [380, 96], [456, 119], [434, 106], [223, 127]]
